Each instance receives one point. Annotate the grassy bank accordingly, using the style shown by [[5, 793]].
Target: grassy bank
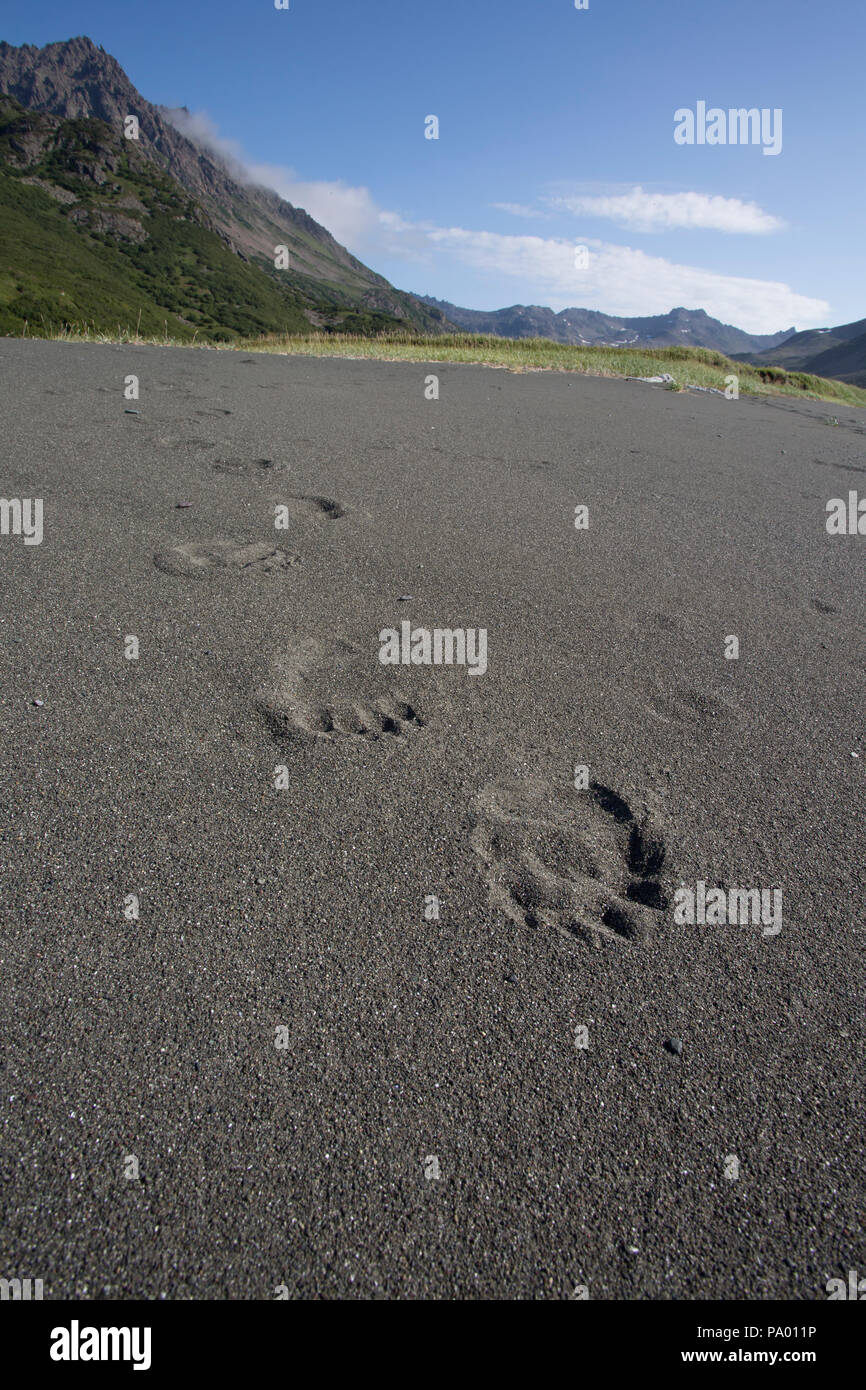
[[688, 366]]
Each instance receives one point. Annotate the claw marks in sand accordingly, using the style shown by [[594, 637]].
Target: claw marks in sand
[[196, 559], [578, 862], [327, 691], [312, 507]]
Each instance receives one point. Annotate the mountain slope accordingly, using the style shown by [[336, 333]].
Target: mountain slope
[[838, 352], [679, 328], [91, 232], [846, 360], [76, 80]]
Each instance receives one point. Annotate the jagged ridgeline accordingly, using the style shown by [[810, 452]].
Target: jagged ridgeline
[[107, 231]]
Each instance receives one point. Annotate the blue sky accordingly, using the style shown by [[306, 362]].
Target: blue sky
[[556, 130]]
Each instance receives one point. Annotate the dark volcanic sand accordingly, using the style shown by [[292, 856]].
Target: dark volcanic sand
[[304, 907]]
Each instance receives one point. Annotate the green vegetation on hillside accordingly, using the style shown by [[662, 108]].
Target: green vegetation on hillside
[[95, 236], [49, 279]]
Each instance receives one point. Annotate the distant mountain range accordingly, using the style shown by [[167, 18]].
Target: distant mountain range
[[835, 352], [830, 352], [97, 226], [588, 327]]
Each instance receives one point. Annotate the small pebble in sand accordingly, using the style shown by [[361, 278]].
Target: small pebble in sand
[[38, 702], [183, 504], [675, 1046], [404, 598]]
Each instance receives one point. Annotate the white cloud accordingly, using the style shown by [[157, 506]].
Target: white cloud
[[198, 127], [617, 280], [350, 214], [652, 212]]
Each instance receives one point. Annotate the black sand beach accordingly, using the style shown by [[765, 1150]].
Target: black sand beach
[[412, 1045]]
